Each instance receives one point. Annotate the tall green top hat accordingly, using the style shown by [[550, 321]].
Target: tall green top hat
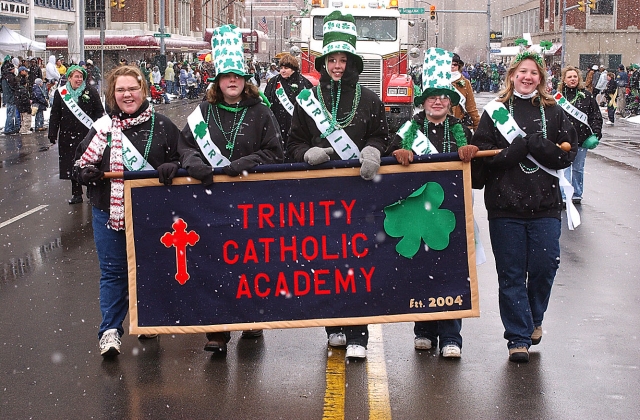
[[228, 52], [339, 35], [436, 76]]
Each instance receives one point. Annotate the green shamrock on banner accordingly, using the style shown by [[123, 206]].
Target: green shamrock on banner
[[419, 218], [500, 115]]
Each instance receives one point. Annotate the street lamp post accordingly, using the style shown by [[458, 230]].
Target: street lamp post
[[252, 39]]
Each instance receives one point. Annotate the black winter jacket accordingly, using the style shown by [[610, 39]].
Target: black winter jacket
[[164, 148], [23, 101], [257, 141], [368, 127], [589, 106], [436, 134], [514, 186]]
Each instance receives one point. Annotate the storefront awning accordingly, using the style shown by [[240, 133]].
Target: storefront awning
[[129, 42]]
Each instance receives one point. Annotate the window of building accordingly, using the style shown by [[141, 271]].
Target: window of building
[[94, 13], [603, 7]]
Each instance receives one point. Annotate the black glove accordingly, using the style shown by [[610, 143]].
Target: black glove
[[52, 140], [230, 171], [166, 172], [90, 175]]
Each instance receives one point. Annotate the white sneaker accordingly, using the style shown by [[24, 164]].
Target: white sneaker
[[337, 340], [356, 351], [421, 343], [608, 123], [451, 350], [110, 343]]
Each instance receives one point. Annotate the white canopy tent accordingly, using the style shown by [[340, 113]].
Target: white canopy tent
[[11, 41]]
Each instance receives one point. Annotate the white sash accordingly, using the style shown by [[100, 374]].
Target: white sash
[[131, 157], [421, 144], [209, 150], [570, 109], [339, 139], [75, 108], [284, 99], [510, 130]]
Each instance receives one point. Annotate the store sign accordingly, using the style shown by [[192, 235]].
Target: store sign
[[14, 9]]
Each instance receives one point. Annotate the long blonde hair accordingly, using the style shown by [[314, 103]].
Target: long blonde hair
[[505, 94]]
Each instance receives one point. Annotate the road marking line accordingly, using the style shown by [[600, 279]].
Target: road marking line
[[378, 383], [336, 387], [25, 214]]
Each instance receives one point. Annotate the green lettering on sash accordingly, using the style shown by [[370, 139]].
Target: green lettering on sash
[[132, 160], [346, 148], [337, 139], [316, 111], [212, 153], [511, 130]]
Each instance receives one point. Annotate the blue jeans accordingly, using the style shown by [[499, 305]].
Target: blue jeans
[[39, 118], [527, 254], [447, 330], [169, 86], [183, 91], [11, 124], [111, 246], [575, 173]]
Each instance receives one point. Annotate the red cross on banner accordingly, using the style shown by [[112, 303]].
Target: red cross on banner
[[180, 238]]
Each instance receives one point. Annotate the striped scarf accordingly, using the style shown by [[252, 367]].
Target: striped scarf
[[109, 133]]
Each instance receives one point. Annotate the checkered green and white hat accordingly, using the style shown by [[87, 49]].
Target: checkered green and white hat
[[339, 35], [436, 76], [227, 51]]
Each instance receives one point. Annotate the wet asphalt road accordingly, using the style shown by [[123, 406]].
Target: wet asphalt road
[[586, 366]]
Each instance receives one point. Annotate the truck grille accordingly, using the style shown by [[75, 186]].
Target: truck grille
[[371, 76]]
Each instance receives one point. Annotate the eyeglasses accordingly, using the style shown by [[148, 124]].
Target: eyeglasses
[[131, 90], [433, 99], [455, 64]]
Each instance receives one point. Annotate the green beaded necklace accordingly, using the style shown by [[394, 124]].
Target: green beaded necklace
[[335, 123], [446, 144], [229, 136], [524, 168]]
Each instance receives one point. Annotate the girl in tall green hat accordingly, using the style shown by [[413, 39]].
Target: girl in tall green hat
[[76, 106], [232, 130], [434, 130], [340, 119]]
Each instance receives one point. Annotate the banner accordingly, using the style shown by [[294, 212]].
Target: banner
[[301, 248]]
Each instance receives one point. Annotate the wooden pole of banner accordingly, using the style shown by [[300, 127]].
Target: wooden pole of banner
[[480, 154]]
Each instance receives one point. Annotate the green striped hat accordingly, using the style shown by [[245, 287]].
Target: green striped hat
[[339, 35]]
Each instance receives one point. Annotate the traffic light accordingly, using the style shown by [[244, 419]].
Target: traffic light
[[592, 4], [114, 3], [432, 12], [120, 4], [581, 6]]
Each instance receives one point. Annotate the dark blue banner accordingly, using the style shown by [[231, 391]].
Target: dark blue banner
[[301, 248]]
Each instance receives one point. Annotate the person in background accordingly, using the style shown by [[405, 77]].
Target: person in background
[[282, 90], [610, 92], [522, 196], [356, 127], [76, 106], [443, 133], [23, 101], [169, 75], [272, 72], [601, 84], [60, 67], [34, 71], [589, 81], [94, 77], [40, 98], [9, 89], [133, 137], [584, 114], [465, 110], [240, 132], [622, 81]]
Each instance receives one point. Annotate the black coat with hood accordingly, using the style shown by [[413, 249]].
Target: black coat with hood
[[257, 141], [368, 127], [292, 85]]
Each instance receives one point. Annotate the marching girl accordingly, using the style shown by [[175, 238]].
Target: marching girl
[[522, 195]]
